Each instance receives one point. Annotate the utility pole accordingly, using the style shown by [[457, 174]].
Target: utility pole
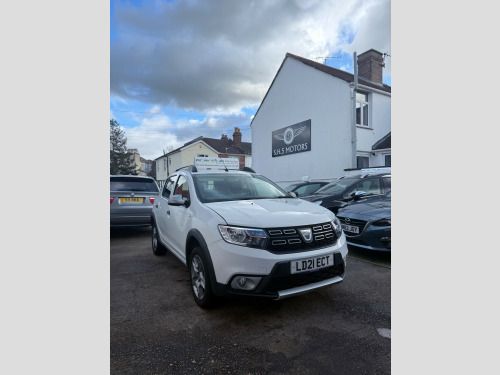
[[354, 141]]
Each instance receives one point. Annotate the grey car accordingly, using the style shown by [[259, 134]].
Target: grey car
[[131, 200]]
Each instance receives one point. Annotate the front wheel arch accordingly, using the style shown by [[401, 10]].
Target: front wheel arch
[[195, 239]]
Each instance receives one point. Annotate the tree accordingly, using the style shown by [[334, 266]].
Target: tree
[[119, 156]]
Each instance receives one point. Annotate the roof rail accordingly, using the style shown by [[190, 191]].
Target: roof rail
[[190, 168], [248, 169]]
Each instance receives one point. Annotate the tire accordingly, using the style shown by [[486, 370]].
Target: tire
[[158, 248], [200, 279]]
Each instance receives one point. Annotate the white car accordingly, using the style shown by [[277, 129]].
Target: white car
[[239, 233]]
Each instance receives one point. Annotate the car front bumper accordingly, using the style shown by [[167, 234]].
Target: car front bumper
[[276, 281]]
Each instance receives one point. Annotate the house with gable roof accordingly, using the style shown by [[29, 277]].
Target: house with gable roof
[[206, 147], [303, 129]]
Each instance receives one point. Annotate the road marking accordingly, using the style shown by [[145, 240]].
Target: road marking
[[384, 332]]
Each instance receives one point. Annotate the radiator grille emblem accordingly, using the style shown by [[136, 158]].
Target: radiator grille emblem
[[306, 234]]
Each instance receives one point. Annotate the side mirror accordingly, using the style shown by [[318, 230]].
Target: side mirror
[[358, 195], [292, 194], [177, 200]]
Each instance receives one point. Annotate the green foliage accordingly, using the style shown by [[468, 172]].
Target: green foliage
[[120, 160]]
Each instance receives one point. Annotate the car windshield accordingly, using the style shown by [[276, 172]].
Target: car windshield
[[133, 184], [231, 187], [291, 187], [337, 186]]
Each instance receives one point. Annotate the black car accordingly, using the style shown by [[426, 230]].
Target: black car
[[306, 188], [335, 195]]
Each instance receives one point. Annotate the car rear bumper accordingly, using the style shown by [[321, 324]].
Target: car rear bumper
[[130, 220]]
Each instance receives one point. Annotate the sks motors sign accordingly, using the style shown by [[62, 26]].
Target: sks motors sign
[[292, 139]]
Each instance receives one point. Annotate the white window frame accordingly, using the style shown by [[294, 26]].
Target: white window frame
[[364, 106]]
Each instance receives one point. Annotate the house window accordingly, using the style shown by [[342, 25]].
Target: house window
[[361, 109], [363, 162], [387, 160], [164, 164]]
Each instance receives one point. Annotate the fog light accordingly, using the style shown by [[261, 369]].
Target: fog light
[[245, 282]]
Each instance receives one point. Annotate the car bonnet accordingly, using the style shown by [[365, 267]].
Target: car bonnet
[[270, 213]]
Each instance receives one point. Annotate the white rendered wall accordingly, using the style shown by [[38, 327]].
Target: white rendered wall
[[380, 122], [300, 93]]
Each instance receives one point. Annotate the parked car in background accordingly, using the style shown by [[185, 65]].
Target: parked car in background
[[367, 223], [305, 188], [335, 195], [131, 200]]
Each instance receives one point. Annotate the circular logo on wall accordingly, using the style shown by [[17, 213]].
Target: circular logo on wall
[[288, 136]]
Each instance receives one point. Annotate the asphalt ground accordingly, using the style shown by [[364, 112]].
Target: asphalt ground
[[156, 327]]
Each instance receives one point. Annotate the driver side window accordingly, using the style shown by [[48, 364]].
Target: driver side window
[[182, 187], [167, 189], [370, 186]]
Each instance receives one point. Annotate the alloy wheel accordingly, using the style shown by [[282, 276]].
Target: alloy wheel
[[198, 277]]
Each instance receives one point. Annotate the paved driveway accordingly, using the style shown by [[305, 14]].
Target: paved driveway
[[156, 327]]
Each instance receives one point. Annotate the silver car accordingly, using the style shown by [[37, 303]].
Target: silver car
[[131, 200]]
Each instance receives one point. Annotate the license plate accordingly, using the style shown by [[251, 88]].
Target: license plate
[[350, 228], [131, 200], [311, 264]]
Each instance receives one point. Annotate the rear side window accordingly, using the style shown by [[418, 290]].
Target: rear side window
[[133, 184], [387, 183]]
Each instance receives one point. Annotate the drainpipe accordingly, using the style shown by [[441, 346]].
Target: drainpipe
[[354, 89]]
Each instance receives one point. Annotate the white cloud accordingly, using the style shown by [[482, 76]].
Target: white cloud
[[199, 55], [218, 57]]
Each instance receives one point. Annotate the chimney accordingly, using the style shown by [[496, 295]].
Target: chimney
[[370, 64], [236, 137], [223, 137]]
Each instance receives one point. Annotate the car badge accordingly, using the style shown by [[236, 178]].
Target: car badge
[[306, 234], [347, 220]]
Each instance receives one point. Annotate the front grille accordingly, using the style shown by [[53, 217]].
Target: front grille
[[361, 224], [281, 279], [290, 239]]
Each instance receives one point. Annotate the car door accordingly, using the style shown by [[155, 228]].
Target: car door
[[179, 219], [163, 210]]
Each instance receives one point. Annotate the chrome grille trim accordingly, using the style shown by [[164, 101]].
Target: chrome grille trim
[[290, 240]]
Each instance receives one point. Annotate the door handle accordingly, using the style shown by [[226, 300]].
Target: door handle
[[168, 212]]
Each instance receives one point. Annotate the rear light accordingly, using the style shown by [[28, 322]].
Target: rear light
[[111, 200], [152, 200]]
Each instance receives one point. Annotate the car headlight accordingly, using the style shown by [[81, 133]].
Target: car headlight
[[317, 202], [382, 222], [337, 227], [249, 237]]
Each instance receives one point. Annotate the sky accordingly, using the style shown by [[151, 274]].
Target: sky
[[184, 69]]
